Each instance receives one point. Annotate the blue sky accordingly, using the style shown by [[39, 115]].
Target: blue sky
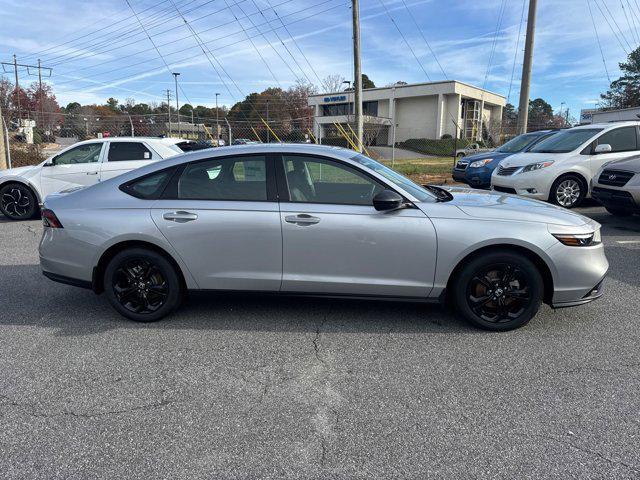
[[97, 49]]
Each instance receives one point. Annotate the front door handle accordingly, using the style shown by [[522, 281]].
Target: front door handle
[[302, 219], [180, 216], [92, 173]]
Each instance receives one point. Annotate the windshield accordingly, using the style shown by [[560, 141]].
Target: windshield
[[421, 193], [519, 143], [565, 141]]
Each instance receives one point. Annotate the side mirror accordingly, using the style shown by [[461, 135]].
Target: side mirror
[[602, 148], [387, 200]]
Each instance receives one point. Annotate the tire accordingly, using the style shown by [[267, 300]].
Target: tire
[[619, 212], [568, 191], [484, 295], [142, 285], [17, 201]]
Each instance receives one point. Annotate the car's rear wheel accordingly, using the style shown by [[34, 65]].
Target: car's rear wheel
[[568, 191], [17, 201], [619, 212], [142, 285], [498, 291]]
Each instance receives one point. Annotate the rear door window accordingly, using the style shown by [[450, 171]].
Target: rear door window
[[127, 151]]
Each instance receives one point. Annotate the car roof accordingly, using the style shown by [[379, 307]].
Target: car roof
[[168, 141], [608, 125]]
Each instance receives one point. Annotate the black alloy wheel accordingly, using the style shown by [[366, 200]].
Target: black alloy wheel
[[499, 291], [142, 285], [17, 202]]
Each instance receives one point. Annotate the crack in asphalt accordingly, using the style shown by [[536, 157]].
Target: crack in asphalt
[[590, 452]]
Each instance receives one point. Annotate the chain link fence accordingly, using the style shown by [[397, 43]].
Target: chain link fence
[[34, 136]]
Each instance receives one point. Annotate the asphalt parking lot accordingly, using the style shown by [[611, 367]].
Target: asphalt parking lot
[[265, 387]]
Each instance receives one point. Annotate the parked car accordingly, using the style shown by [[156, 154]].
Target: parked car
[[244, 141], [472, 149], [316, 220], [560, 168], [617, 186], [82, 164], [476, 170]]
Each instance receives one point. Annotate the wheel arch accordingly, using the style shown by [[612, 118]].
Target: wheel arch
[[538, 261], [21, 181], [97, 280], [570, 173]]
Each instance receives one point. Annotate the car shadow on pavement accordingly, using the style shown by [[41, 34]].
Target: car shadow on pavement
[[29, 299]]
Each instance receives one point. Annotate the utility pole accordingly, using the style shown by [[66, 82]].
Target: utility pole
[[15, 66], [525, 85], [169, 109], [268, 136], [217, 123], [175, 76], [357, 68]]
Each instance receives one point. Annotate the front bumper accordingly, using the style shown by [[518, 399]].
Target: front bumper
[[458, 175], [613, 198], [531, 184], [594, 294]]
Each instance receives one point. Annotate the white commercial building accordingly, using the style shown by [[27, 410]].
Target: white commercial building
[[603, 116], [419, 110]]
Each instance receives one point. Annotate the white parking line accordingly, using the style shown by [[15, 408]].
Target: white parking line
[[627, 241]]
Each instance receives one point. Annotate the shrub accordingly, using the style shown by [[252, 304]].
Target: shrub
[[446, 136], [442, 148]]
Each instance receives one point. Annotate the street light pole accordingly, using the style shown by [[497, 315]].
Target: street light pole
[[175, 76], [357, 69], [268, 136], [217, 123]]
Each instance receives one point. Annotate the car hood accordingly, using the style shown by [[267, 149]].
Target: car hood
[[522, 159], [482, 156], [18, 171], [629, 164], [505, 207]]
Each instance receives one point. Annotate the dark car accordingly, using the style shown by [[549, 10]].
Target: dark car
[[475, 170]]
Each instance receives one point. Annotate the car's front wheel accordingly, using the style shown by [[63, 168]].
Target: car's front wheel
[[568, 191], [498, 291], [17, 201], [142, 285]]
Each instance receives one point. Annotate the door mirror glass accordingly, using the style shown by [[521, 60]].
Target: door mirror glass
[[387, 200], [602, 148]]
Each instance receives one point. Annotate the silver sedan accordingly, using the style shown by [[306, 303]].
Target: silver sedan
[[315, 220]]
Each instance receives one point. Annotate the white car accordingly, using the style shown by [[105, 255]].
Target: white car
[[81, 164], [560, 168]]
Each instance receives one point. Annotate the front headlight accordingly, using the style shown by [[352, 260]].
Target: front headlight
[[480, 163], [536, 166], [579, 239]]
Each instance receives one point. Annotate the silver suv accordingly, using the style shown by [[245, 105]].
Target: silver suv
[[617, 186]]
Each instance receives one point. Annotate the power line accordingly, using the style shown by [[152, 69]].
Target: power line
[[595, 30], [154, 45], [294, 40], [515, 54], [424, 38], [615, 34], [206, 43], [630, 19], [494, 43], [613, 19], [119, 58], [405, 39]]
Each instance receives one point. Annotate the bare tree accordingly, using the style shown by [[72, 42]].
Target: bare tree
[[332, 83]]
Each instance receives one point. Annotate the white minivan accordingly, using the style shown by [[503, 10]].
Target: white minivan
[[81, 164], [560, 168]]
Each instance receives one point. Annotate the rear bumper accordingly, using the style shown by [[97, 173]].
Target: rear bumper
[[76, 282]]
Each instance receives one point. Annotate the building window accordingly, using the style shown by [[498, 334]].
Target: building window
[[370, 108], [336, 109]]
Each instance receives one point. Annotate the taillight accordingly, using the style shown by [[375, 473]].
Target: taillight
[[49, 219]]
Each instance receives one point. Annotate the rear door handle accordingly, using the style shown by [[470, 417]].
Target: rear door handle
[[302, 219], [92, 173], [180, 216]]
